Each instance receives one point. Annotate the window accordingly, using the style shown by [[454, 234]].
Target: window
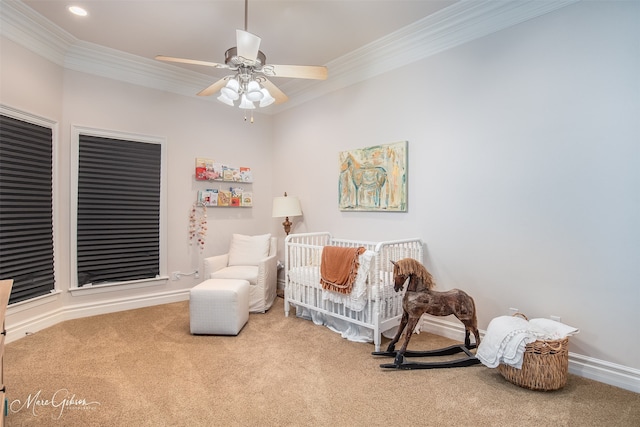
[[119, 210], [26, 204]]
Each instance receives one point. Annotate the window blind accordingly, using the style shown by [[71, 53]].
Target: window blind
[[118, 216], [26, 208]]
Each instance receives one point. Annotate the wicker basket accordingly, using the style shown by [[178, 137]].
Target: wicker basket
[[544, 366]]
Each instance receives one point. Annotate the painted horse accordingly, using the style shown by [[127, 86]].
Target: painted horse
[[420, 298], [365, 180]]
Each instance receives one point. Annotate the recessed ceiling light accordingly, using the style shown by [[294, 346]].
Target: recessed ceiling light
[[77, 10]]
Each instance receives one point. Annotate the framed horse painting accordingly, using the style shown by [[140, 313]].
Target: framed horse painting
[[374, 178]]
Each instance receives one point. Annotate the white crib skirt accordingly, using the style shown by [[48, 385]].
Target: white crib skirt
[[348, 330]]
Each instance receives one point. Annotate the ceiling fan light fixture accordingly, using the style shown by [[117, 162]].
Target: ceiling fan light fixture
[[245, 104], [248, 81], [253, 91], [224, 99], [267, 99], [231, 90]]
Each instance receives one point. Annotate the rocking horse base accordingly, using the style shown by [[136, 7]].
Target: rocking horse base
[[401, 363]]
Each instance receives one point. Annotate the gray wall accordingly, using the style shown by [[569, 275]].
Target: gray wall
[[524, 149]]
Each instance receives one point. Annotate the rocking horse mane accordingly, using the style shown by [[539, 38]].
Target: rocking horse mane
[[409, 266]]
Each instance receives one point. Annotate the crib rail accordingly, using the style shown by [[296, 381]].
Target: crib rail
[[384, 306]]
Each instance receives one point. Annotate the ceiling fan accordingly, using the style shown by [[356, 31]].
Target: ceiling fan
[[248, 82]]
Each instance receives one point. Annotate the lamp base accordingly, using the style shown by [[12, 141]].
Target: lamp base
[[287, 225]]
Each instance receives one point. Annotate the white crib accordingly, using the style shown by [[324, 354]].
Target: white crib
[[373, 306]]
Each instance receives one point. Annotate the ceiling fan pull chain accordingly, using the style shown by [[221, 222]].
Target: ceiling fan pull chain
[[250, 120]]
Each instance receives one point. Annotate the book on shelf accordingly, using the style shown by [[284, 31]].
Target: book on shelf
[[247, 199], [208, 197], [224, 198], [228, 173], [245, 174], [204, 169], [236, 196], [210, 170]]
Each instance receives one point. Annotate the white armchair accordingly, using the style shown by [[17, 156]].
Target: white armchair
[[251, 258]]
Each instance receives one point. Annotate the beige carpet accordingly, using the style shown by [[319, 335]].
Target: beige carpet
[[143, 368]]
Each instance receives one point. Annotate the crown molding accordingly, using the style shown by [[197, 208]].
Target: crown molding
[[114, 64], [24, 26], [457, 24]]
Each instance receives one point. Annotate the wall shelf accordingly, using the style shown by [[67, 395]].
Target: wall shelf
[[210, 170], [224, 197]]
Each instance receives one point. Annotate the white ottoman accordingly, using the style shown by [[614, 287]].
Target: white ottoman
[[219, 307]]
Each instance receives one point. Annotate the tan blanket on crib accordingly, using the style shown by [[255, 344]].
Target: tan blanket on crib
[[339, 268]]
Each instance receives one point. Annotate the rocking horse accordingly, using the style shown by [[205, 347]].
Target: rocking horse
[[419, 299]]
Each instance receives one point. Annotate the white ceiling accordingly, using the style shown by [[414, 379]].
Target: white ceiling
[[355, 39]]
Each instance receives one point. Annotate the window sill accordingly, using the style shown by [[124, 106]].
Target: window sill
[[33, 302], [118, 286]]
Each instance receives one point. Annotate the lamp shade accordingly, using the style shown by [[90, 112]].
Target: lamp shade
[[253, 91], [267, 98], [223, 98], [245, 103], [231, 89], [286, 206]]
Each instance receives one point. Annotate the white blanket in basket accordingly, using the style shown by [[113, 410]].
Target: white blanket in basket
[[507, 337]]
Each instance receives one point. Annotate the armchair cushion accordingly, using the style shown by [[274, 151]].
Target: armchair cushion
[[248, 250], [244, 272]]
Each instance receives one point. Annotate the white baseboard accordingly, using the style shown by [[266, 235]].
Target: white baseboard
[[583, 366], [605, 372], [45, 320]]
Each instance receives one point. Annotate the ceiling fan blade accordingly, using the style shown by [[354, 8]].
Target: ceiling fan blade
[[190, 61], [213, 88], [300, 71], [248, 45], [277, 94]]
